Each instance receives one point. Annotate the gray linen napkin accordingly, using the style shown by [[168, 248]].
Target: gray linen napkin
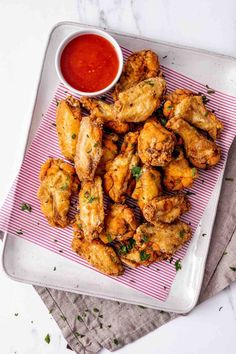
[[89, 323]]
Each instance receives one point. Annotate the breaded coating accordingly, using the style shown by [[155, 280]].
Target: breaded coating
[[138, 67], [117, 178], [178, 174], [100, 256], [190, 107], [148, 186], [88, 149], [105, 111], [201, 151], [166, 209], [140, 101], [68, 117], [91, 208], [163, 239], [155, 144], [120, 224], [109, 152], [57, 181]]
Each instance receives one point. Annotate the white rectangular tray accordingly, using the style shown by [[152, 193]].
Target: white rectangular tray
[[27, 262]]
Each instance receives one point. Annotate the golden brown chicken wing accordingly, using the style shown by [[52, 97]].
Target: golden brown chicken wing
[[163, 239], [138, 67], [148, 185], [104, 111], [201, 152], [140, 101], [88, 148], [68, 119], [91, 209], [166, 209], [100, 256], [109, 152], [190, 107], [58, 180], [119, 175], [178, 174], [155, 144], [120, 224]]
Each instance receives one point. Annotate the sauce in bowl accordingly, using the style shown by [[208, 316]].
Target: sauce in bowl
[[89, 63]]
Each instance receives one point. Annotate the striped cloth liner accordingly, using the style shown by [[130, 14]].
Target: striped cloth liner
[[155, 280]]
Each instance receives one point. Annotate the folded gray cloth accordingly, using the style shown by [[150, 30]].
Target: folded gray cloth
[[89, 323]]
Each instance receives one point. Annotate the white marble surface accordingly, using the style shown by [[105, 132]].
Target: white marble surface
[[24, 27]]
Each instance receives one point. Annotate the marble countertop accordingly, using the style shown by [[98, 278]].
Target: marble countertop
[[25, 25]]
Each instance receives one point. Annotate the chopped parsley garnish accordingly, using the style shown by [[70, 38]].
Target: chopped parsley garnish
[[89, 197], [233, 269], [165, 56], [205, 100], [100, 325], [178, 265], [209, 90], [206, 114], [54, 124], [136, 172], [96, 144], [88, 152], [221, 307], [124, 249], [225, 253], [163, 121], [47, 338], [149, 82], [144, 256], [181, 233], [54, 269], [16, 314], [115, 341], [64, 187], [170, 107], [73, 136], [79, 318], [203, 235], [63, 317], [57, 101], [87, 135], [194, 171], [109, 326], [96, 309], [61, 251], [109, 238], [229, 179], [101, 316], [19, 232], [145, 238]]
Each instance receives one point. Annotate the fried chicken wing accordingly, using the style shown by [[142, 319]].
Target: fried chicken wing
[[140, 101], [58, 180], [118, 176], [68, 119], [139, 256], [120, 224], [138, 67], [201, 152], [163, 239], [190, 107], [88, 148], [104, 111], [109, 152], [166, 209], [148, 186], [100, 256], [178, 174], [155, 144], [91, 209]]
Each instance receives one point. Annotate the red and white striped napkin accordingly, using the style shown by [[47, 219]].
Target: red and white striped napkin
[[155, 280]]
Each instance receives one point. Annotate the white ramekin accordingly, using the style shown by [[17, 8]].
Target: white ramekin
[[80, 33]]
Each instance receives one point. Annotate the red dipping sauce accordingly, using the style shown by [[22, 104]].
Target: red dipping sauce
[[89, 63]]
